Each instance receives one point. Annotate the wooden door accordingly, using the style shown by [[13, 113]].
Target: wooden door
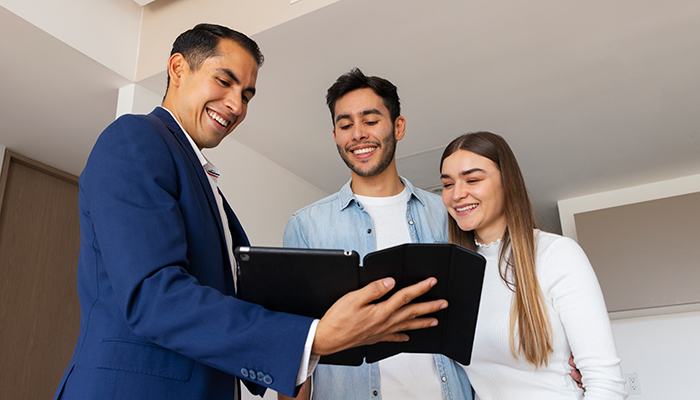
[[39, 244]]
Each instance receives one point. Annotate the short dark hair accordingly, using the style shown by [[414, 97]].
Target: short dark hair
[[355, 80], [201, 42]]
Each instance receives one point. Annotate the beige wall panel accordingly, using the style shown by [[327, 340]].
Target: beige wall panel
[[647, 254]]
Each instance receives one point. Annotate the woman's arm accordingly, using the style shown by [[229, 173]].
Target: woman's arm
[[569, 282]]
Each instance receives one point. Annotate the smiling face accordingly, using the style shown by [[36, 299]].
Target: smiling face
[[365, 134], [473, 194], [212, 101]]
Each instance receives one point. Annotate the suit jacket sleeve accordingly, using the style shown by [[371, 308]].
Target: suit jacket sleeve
[[162, 258]]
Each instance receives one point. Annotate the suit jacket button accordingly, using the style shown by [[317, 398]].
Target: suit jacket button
[[260, 375], [267, 379], [251, 374], [244, 372]]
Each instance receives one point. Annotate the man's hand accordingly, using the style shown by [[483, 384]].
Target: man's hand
[[352, 321]]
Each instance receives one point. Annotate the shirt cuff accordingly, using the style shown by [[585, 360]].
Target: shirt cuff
[[308, 361]]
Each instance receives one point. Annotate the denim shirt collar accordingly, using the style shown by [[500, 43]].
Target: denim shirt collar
[[347, 197]]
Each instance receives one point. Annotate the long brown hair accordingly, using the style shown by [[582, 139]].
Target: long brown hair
[[528, 311]]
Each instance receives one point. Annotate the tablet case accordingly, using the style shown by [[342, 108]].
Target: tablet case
[[308, 281], [299, 281]]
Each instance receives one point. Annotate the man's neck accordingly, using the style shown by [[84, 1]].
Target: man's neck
[[385, 184]]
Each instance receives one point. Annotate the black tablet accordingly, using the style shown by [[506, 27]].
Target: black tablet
[[299, 281], [308, 281]]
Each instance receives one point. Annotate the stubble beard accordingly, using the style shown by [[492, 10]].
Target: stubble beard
[[389, 149]]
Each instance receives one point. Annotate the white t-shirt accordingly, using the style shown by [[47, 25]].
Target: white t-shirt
[[404, 376]]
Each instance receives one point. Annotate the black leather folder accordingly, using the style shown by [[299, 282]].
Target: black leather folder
[[308, 281]]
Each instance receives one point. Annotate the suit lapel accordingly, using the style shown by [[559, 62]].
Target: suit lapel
[[174, 128], [237, 233]]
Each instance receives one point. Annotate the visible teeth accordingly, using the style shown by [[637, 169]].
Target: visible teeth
[[218, 118], [469, 207], [364, 151]]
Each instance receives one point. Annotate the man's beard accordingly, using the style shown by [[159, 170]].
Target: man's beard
[[388, 147]]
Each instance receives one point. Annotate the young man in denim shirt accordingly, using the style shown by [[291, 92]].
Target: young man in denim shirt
[[376, 209]]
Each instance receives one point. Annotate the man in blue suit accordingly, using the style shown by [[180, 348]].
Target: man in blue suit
[[159, 317]]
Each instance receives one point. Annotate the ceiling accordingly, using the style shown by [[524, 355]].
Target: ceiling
[[55, 100], [592, 96]]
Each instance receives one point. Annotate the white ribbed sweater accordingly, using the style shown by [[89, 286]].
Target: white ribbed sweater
[[580, 323]]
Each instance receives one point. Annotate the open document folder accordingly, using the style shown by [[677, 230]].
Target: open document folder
[[308, 281]]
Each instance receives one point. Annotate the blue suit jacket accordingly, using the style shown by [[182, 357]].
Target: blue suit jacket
[[159, 319]]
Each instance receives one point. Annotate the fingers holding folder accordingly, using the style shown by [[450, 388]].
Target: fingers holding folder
[[354, 320]]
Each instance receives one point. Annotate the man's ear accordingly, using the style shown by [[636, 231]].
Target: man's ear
[[176, 67], [333, 133], [399, 127]]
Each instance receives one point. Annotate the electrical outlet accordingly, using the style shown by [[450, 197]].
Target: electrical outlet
[[632, 384]]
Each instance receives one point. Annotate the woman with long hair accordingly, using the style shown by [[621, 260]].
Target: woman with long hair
[[541, 300]]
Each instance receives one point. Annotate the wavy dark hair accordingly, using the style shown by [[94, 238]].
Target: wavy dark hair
[[355, 80]]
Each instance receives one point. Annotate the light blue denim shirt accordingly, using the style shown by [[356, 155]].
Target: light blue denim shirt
[[340, 222]]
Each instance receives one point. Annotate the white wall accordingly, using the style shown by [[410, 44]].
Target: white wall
[[107, 31], [664, 352], [263, 194], [136, 99]]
